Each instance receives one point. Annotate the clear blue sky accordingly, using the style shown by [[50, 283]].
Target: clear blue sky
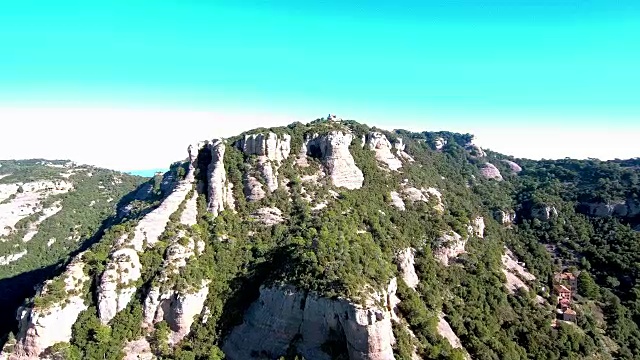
[[503, 61]]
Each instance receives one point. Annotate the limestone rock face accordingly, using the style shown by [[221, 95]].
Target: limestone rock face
[[271, 150], [622, 208], [406, 262], [138, 350], [118, 282], [397, 201], [451, 245], [513, 166], [253, 190], [544, 212], [41, 328], [445, 330], [268, 215], [515, 272], [283, 314], [490, 171], [271, 146], [333, 150], [220, 196], [382, 148], [504, 217], [478, 226]]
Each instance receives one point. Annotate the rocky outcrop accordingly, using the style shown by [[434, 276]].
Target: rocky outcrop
[[44, 326], [406, 263], [268, 215], [333, 151], [381, 146], [477, 227], [475, 150], [400, 146], [413, 195], [515, 272], [490, 171], [397, 201], [445, 330], [450, 245], [504, 217], [622, 208], [515, 168], [271, 150], [283, 314], [118, 282], [253, 190], [138, 350], [177, 307], [544, 212], [439, 143], [220, 191], [271, 146]]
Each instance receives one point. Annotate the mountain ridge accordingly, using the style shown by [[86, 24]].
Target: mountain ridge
[[398, 229]]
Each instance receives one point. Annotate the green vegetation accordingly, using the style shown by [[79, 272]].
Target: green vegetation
[[349, 247]]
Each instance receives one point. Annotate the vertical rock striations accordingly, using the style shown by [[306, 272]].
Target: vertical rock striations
[[283, 314], [220, 191], [333, 150], [119, 281]]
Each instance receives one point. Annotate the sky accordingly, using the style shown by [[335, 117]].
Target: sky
[[129, 84]]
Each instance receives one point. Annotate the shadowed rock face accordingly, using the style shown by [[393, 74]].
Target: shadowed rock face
[[544, 212], [281, 314], [504, 217], [333, 151], [623, 208]]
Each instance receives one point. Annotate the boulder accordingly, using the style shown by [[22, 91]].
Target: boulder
[[253, 190], [490, 171], [514, 272], [475, 150], [513, 166], [333, 151]]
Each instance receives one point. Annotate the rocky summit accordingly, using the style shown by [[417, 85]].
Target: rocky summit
[[326, 240]]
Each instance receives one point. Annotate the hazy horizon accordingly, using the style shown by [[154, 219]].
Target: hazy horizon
[[95, 83]]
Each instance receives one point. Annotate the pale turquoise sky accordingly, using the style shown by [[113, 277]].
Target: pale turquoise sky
[[446, 65]]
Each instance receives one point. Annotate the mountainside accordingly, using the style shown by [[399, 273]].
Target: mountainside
[[49, 210], [333, 240]]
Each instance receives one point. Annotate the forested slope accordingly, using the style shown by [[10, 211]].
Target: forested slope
[[334, 240]]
